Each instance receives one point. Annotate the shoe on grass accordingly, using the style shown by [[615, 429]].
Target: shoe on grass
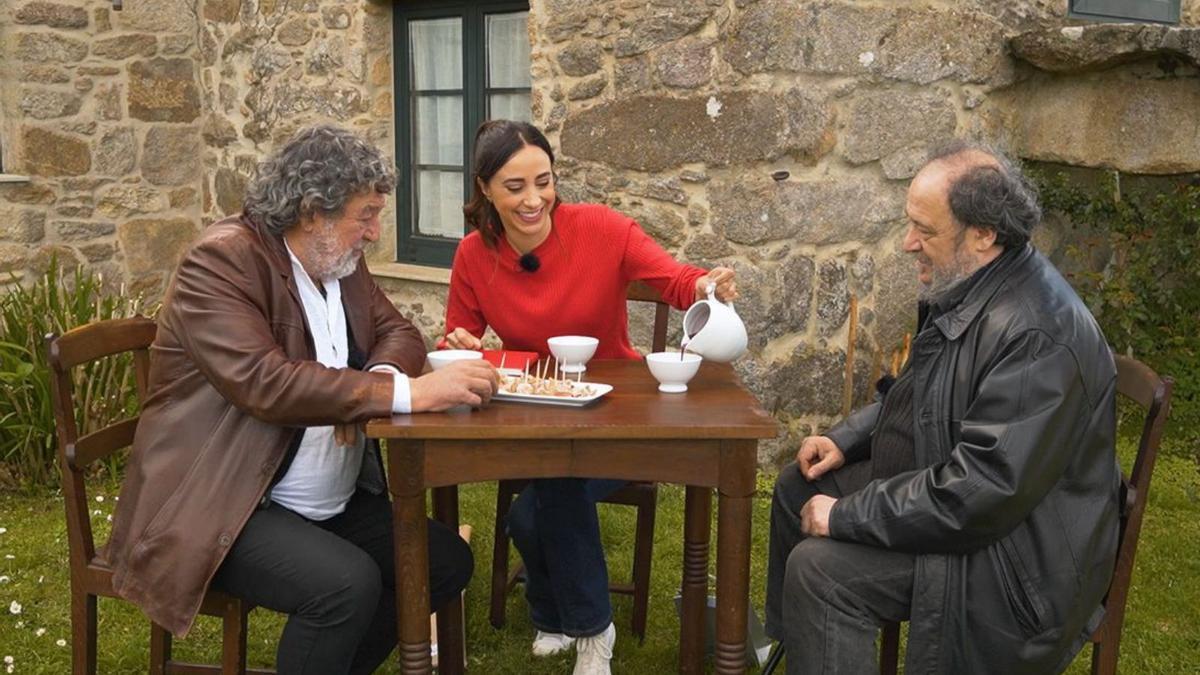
[[548, 644], [593, 654]]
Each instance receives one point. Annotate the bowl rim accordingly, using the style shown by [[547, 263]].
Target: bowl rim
[[573, 340], [688, 357]]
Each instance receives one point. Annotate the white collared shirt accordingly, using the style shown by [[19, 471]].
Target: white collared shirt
[[322, 476]]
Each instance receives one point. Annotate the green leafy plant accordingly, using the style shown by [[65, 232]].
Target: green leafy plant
[[1134, 261], [55, 302]]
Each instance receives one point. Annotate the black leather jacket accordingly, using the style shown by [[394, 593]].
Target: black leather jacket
[[1013, 511]]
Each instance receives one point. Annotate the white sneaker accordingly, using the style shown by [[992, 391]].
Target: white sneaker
[[548, 644], [594, 653]]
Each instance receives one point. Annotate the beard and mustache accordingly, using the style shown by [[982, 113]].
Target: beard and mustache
[[329, 262], [945, 278]]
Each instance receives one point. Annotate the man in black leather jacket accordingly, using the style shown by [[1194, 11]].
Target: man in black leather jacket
[[978, 497]]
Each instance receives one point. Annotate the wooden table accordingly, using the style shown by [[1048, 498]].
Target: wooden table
[[706, 438]]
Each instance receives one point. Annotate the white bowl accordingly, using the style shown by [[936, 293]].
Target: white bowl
[[572, 351], [441, 357], [673, 370]]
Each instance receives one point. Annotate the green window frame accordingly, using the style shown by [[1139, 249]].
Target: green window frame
[[414, 246], [1143, 11]]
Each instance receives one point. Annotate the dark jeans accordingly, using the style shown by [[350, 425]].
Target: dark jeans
[[335, 580], [826, 599], [554, 524]]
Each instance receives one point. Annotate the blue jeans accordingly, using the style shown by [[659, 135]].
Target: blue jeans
[[554, 524]]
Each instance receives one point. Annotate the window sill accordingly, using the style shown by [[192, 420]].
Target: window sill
[[13, 178], [430, 275]]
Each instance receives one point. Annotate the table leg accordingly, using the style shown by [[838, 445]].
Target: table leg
[[733, 554], [696, 529], [406, 482], [449, 618]]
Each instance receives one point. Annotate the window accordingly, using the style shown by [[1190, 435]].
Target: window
[[1155, 11], [456, 66]]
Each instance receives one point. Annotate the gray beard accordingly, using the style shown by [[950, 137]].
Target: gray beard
[[947, 279], [327, 264]]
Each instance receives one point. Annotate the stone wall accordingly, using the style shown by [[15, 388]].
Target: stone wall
[[776, 136]]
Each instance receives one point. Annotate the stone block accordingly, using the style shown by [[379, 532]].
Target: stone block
[[685, 65], [124, 46], [631, 76], [222, 11], [27, 193], [588, 88], [52, 14], [75, 230], [218, 131], [171, 155], [49, 48], [649, 25], [294, 33], [154, 244], [663, 224], [24, 226], [95, 253], [335, 17], [662, 189], [706, 246], [182, 198], [580, 58], [882, 121], [109, 105], [44, 74], [102, 19], [930, 45], [229, 188], [156, 16], [13, 259], [1101, 46], [1132, 124], [74, 211], [176, 44], [809, 382], [653, 133], [895, 298], [51, 154], [326, 56], [817, 212], [116, 153], [163, 90], [45, 104], [833, 297]]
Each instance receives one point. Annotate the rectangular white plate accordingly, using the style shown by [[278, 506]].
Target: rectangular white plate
[[598, 390]]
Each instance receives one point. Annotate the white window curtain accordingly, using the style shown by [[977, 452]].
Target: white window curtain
[[437, 83], [508, 65]]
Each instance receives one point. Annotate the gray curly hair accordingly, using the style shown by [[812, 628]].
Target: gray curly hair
[[316, 171]]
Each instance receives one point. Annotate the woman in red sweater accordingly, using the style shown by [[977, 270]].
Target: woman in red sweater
[[534, 268]]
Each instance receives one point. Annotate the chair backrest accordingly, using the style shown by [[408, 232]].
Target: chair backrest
[[1136, 381], [641, 292], [79, 347]]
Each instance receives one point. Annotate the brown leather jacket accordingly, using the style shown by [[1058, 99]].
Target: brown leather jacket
[[233, 380]]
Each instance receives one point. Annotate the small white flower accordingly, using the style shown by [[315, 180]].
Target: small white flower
[[96, 512], [20, 624], [99, 498], [60, 642], [9, 556], [14, 608], [41, 578], [8, 668], [8, 660], [3, 530], [4, 579], [108, 517], [40, 632]]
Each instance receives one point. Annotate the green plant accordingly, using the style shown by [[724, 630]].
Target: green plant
[[55, 302], [1135, 263]]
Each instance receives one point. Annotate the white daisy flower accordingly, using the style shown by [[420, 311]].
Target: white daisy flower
[[3, 530], [61, 642], [8, 660], [40, 632], [99, 498], [14, 608], [4, 579]]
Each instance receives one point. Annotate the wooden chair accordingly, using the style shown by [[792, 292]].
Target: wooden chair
[[91, 575], [1137, 382], [639, 494]]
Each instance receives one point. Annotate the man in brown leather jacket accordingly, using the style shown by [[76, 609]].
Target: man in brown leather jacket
[[248, 469], [978, 498]]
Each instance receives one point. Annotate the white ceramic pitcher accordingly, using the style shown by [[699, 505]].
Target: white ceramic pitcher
[[712, 329]]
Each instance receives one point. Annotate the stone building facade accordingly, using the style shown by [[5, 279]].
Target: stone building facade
[[776, 136]]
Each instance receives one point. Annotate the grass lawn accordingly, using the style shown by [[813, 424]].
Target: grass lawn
[[1162, 630]]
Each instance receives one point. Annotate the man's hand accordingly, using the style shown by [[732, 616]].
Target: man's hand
[[346, 435], [818, 454], [461, 338], [470, 382], [814, 515]]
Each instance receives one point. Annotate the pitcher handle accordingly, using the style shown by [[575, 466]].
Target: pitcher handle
[[711, 291]]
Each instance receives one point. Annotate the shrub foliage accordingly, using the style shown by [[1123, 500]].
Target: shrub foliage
[[55, 302]]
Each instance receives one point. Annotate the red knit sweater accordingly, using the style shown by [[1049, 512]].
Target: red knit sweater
[[587, 262]]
